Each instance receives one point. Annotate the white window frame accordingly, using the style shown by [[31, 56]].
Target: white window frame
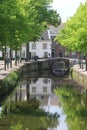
[[33, 46], [44, 45]]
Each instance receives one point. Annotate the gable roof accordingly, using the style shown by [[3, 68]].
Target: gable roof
[[45, 35], [51, 31], [55, 30]]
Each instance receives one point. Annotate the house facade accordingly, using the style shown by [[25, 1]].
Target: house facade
[[42, 47], [57, 49], [46, 46], [37, 88]]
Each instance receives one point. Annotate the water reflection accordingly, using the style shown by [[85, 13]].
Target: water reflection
[[61, 98], [74, 104]]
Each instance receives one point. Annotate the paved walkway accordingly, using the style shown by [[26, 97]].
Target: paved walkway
[[78, 69], [80, 76], [4, 73]]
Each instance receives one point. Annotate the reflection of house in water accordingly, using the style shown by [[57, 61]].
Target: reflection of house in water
[[38, 88], [41, 89], [21, 92], [52, 103]]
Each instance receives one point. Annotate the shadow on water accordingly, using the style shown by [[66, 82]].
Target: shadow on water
[[45, 73], [43, 101]]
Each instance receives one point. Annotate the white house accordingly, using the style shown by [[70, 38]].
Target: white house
[[37, 88], [42, 47], [41, 87]]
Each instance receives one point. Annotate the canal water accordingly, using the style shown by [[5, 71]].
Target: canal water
[[42, 101]]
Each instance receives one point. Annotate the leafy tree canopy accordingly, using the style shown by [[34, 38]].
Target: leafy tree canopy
[[24, 20], [74, 35]]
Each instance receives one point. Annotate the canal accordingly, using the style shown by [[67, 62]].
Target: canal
[[42, 101]]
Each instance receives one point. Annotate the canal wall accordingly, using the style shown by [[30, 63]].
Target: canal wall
[[31, 66], [43, 64], [35, 66], [80, 76]]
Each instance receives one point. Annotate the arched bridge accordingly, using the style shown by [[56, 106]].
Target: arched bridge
[[45, 64]]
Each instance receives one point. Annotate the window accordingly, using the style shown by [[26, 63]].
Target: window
[[45, 89], [45, 54], [45, 81], [33, 89], [33, 46], [44, 45], [33, 54]]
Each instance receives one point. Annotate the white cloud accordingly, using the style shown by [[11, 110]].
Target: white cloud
[[66, 8]]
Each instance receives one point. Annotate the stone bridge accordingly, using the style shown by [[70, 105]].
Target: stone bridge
[[44, 64]]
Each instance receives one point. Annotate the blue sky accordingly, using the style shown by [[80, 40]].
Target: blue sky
[[66, 8]]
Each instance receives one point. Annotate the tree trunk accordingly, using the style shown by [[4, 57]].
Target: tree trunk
[[5, 58], [86, 61], [16, 57], [27, 91], [79, 60], [20, 54], [10, 58]]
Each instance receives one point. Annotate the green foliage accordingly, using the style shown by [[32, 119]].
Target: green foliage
[[8, 84], [74, 104], [21, 122], [11, 79], [16, 127], [74, 35], [30, 107], [23, 21], [27, 107]]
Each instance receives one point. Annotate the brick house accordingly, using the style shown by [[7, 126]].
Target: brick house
[[57, 49]]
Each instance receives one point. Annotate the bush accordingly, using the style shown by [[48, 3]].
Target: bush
[[8, 84], [28, 107]]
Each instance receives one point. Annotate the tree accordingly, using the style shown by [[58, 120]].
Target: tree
[[22, 21], [74, 35], [42, 17]]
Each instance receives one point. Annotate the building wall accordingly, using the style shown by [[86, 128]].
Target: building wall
[[38, 50], [57, 49], [41, 86]]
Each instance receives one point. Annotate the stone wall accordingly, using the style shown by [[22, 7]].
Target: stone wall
[[41, 65], [80, 76], [35, 66]]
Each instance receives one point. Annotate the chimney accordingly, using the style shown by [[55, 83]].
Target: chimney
[[49, 36]]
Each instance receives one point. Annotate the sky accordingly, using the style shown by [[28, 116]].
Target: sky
[[66, 8]]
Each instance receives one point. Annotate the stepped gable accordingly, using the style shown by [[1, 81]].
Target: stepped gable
[[54, 30]]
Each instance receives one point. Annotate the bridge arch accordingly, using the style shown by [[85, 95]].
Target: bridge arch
[[44, 64]]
